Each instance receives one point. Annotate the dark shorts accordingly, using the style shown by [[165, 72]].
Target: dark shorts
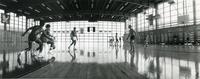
[[73, 39], [32, 38], [132, 38], [117, 40]]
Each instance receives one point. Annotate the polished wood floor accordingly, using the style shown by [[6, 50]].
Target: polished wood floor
[[86, 71], [102, 61]]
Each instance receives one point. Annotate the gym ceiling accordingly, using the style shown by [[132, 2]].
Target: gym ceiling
[[73, 10]]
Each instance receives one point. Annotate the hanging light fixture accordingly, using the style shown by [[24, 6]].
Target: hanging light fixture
[[171, 1]]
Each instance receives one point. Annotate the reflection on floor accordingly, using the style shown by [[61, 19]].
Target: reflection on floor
[[105, 61], [89, 61], [18, 64]]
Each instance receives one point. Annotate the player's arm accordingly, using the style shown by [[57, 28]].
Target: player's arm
[[76, 37], [27, 31], [128, 36], [71, 35], [46, 35], [51, 35]]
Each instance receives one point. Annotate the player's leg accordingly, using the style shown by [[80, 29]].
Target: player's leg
[[38, 41], [30, 41], [133, 45], [71, 44], [51, 44], [130, 44], [74, 44]]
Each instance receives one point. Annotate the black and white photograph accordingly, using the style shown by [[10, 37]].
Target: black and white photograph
[[99, 39]]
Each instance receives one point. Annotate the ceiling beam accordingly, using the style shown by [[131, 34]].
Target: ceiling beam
[[140, 2], [26, 3], [76, 19], [84, 12]]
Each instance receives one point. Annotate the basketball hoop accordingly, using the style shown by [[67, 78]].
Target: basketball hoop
[[5, 18]]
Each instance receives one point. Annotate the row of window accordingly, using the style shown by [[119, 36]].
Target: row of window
[[115, 27], [169, 14], [17, 23], [91, 30]]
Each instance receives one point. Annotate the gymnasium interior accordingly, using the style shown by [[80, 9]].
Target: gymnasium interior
[[166, 44]]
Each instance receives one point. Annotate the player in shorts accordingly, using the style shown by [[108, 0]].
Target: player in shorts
[[146, 41], [46, 37], [131, 37], [74, 38], [116, 38], [34, 36]]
